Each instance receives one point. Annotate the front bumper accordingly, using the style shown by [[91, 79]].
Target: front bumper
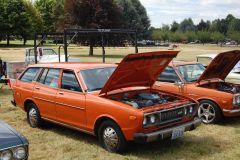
[[165, 133], [231, 113]]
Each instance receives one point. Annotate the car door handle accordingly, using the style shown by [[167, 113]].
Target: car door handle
[[37, 88], [61, 93]]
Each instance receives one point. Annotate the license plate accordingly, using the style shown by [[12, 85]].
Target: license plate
[[177, 133]]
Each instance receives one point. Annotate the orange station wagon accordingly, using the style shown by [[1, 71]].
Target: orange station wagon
[[217, 98], [115, 103]]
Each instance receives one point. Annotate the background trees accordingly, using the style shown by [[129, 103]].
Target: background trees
[[217, 31]]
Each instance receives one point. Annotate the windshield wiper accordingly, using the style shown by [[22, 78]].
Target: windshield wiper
[[96, 89]]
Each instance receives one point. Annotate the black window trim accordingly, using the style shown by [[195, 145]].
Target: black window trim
[[60, 87]]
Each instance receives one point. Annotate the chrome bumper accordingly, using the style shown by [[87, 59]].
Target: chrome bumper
[[231, 111], [165, 133]]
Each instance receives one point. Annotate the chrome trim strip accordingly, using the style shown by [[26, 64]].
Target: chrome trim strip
[[13, 147], [76, 107], [231, 111], [68, 126], [164, 110], [70, 106]]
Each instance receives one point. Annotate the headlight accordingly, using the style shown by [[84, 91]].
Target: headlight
[[20, 153], [145, 121], [6, 155], [152, 119], [236, 99], [191, 109]]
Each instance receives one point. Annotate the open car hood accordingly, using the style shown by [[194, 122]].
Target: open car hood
[[221, 65], [138, 70]]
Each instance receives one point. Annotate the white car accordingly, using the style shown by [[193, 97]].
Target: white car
[[45, 55], [233, 76]]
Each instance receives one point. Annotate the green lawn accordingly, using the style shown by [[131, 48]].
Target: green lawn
[[208, 142]]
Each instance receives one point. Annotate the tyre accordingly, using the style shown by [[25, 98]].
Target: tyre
[[111, 137], [33, 116], [209, 112]]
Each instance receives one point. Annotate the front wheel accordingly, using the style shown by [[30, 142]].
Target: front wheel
[[111, 137], [209, 112]]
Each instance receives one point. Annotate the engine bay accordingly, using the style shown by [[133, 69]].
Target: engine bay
[[144, 99], [223, 86]]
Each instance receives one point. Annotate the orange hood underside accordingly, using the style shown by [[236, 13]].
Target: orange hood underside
[[221, 65], [140, 69]]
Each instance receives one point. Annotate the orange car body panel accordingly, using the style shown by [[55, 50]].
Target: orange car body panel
[[82, 110], [193, 90]]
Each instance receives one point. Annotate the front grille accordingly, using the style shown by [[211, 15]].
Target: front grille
[[171, 115]]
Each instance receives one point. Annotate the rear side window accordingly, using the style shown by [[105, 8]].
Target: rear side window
[[30, 74], [70, 82], [50, 77], [169, 75]]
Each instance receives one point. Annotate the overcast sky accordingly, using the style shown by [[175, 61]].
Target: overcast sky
[[166, 11]]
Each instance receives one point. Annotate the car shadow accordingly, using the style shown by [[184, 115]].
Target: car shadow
[[191, 145], [70, 133], [230, 121]]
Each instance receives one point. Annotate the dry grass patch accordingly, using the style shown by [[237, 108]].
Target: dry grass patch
[[211, 142]]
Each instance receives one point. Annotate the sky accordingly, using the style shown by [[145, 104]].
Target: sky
[[166, 11]]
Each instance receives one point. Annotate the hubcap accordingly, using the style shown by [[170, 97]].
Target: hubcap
[[110, 138], [33, 116], [206, 112]]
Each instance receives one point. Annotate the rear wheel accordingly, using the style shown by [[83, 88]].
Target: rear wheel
[[111, 137], [209, 112], [33, 116]]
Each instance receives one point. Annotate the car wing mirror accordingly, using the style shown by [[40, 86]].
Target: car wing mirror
[[179, 84]]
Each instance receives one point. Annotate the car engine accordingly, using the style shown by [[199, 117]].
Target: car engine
[[228, 88], [146, 99]]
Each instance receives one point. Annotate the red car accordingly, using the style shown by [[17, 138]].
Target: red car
[[217, 98]]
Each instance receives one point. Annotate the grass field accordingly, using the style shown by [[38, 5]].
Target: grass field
[[210, 142]]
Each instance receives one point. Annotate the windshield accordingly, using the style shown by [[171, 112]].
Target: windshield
[[49, 52], [95, 79], [191, 72]]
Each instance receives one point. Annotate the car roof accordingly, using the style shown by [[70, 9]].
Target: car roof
[[207, 55], [73, 65], [180, 63]]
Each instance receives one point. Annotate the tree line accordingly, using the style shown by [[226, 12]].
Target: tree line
[[23, 18], [217, 31]]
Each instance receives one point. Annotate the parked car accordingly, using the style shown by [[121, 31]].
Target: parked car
[[217, 98], [233, 76], [115, 103], [206, 59], [13, 146], [45, 55]]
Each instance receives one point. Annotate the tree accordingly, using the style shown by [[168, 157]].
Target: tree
[[202, 26], [235, 36], [135, 17], [204, 36], [16, 20], [35, 19], [187, 25], [45, 8], [217, 37], [59, 15], [94, 14], [174, 26]]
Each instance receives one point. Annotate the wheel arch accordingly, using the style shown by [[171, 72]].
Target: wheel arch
[[100, 120], [213, 101], [26, 102]]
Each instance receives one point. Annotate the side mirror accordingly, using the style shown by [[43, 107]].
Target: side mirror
[[179, 84]]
